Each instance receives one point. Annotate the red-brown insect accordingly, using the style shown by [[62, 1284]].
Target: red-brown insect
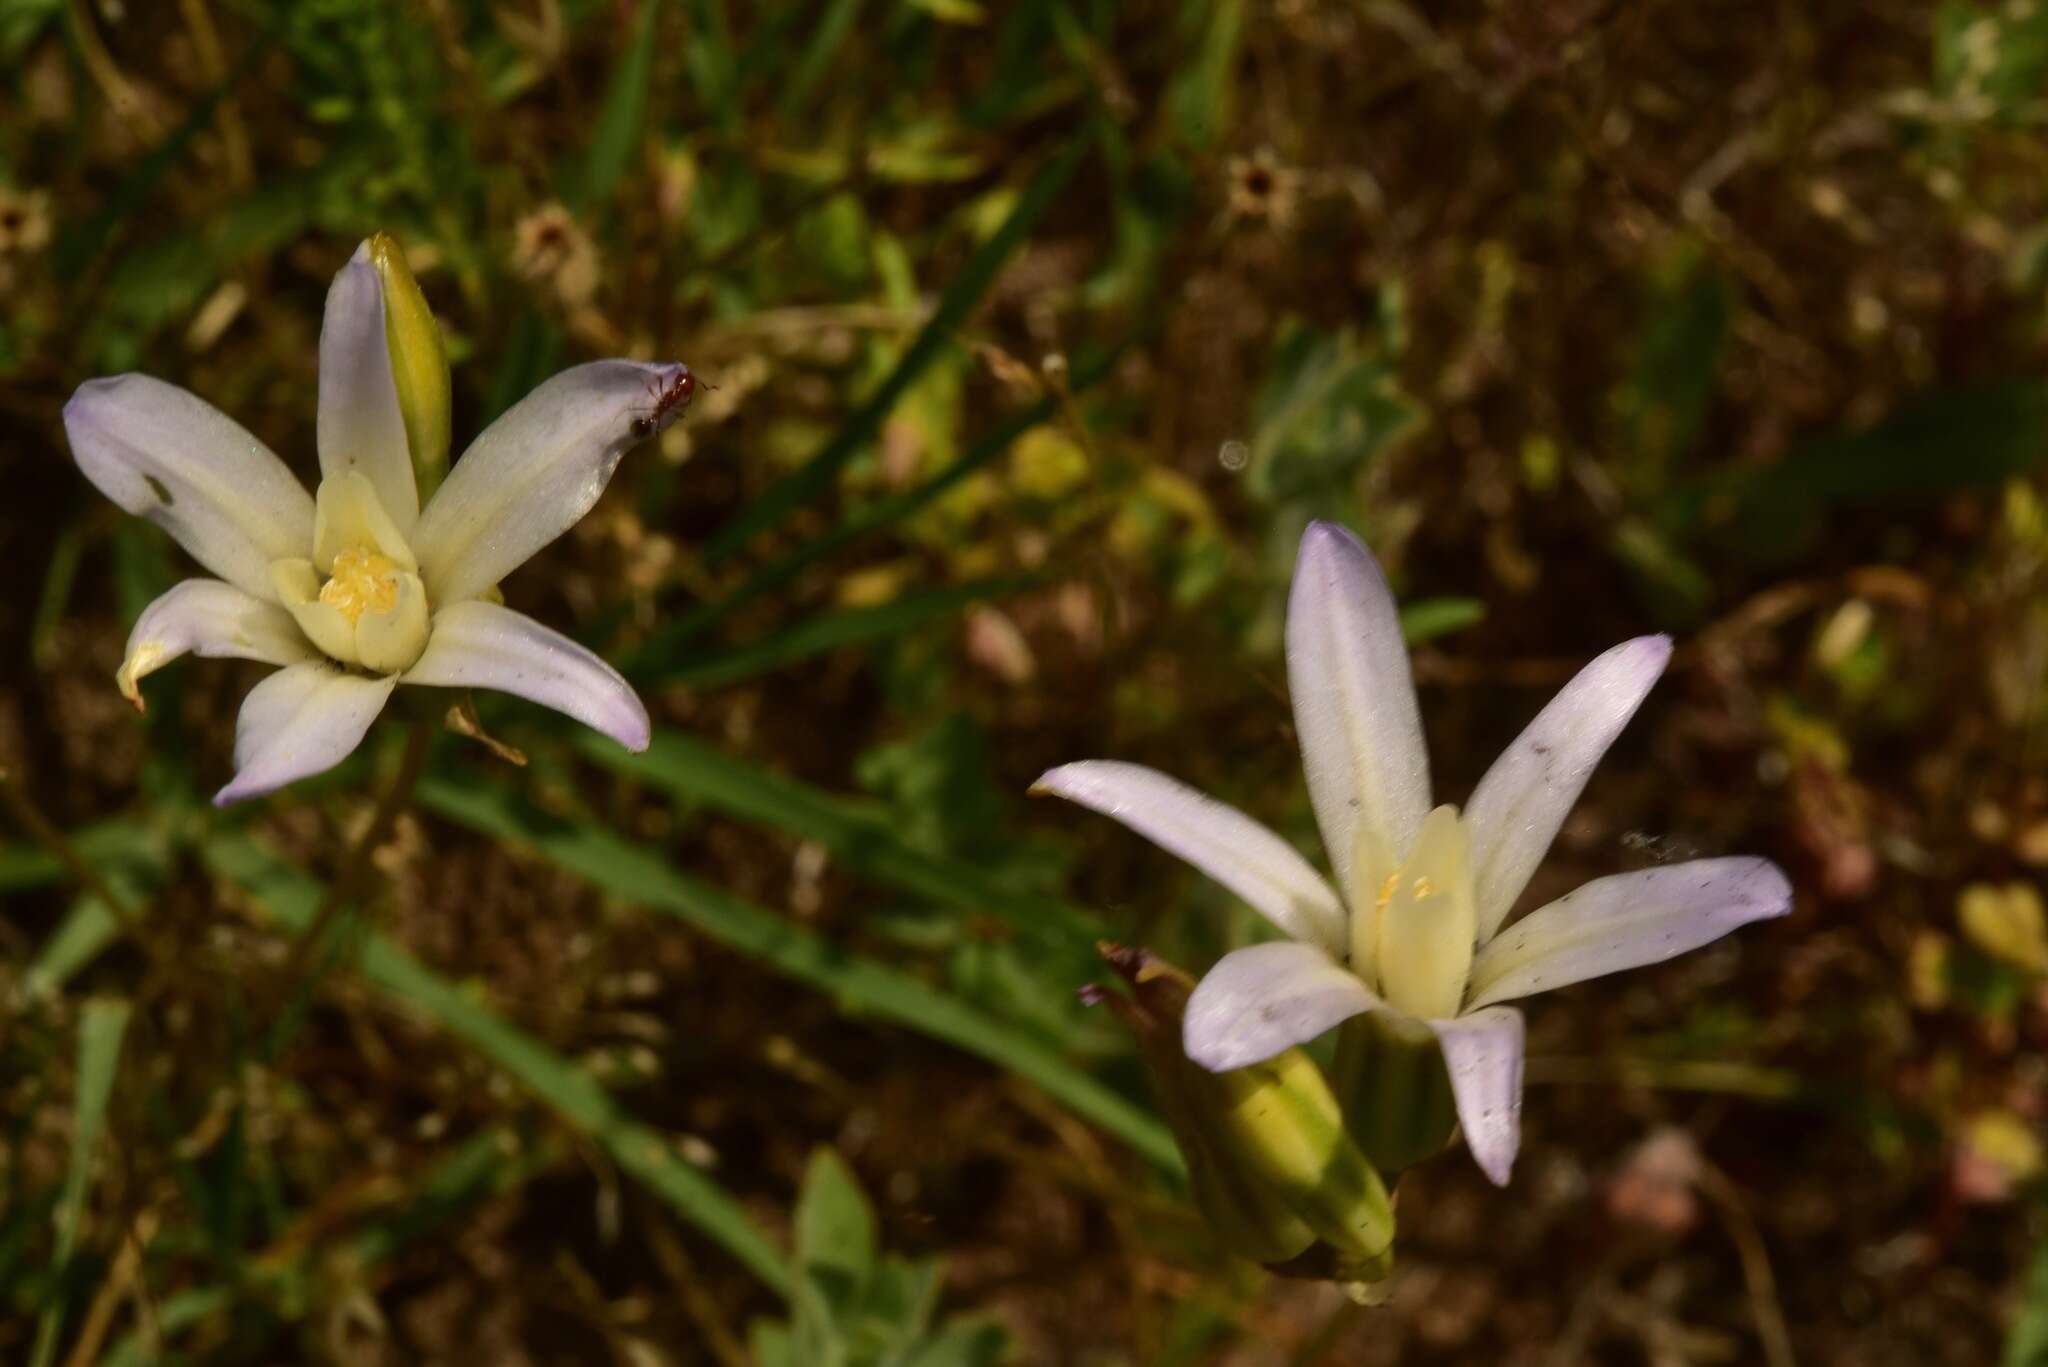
[[677, 395]]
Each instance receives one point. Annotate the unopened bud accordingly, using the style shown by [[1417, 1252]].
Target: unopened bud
[[1270, 1165], [419, 363]]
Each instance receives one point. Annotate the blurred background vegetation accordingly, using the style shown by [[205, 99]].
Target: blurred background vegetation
[[1039, 328]]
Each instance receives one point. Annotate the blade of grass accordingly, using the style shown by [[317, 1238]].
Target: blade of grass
[[293, 899], [857, 835], [55, 598], [642, 877], [100, 1028], [619, 123], [831, 31], [87, 928], [79, 248], [713, 66], [104, 842], [487, 1164], [829, 631], [816, 475], [1433, 617], [2028, 1346], [666, 649]]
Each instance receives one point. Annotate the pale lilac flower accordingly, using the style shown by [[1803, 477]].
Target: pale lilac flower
[[357, 588], [1415, 923]]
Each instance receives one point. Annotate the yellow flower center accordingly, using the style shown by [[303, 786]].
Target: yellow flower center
[[363, 581]]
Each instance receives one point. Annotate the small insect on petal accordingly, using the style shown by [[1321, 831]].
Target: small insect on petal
[[669, 403]]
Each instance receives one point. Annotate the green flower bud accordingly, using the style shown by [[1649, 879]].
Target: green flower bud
[[419, 364], [1270, 1165]]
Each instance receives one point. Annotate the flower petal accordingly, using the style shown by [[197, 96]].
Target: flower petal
[[1483, 1054], [533, 473], [360, 426], [1264, 999], [302, 720], [1236, 851], [481, 645], [1625, 921], [1354, 704], [166, 454], [348, 515], [297, 585], [1518, 806], [209, 618], [391, 642]]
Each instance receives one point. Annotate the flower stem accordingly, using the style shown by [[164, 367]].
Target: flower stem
[[348, 886]]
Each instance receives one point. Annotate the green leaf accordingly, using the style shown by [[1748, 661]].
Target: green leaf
[[1953, 439], [862, 838], [491, 1162], [1198, 100], [574, 1094], [2028, 1346], [713, 66], [1677, 365], [121, 207], [671, 642], [100, 1029], [639, 876], [816, 476], [87, 928], [1329, 405], [826, 37], [960, 1345], [818, 634], [835, 1231], [616, 139], [1433, 617]]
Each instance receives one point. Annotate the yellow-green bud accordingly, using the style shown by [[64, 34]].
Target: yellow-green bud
[[1270, 1165], [419, 364]]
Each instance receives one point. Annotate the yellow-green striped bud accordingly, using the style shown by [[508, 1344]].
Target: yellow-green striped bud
[[419, 363], [1270, 1165]]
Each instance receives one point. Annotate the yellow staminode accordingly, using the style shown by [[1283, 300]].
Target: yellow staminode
[[363, 581], [1423, 919]]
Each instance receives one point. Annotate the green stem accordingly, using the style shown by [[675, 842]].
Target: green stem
[[349, 885]]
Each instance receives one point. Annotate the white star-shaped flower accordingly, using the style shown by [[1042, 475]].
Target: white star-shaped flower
[[357, 589], [1416, 922]]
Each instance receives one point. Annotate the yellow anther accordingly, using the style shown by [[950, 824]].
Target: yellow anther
[[363, 581], [1424, 889]]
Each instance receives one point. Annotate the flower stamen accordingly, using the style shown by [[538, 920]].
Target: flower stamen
[[363, 581]]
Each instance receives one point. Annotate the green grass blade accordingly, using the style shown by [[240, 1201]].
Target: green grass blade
[[100, 1029], [831, 31], [176, 1314], [960, 298], [857, 835], [1433, 617], [122, 207], [712, 64], [670, 642], [487, 1164], [292, 898], [89, 927], [818, 634], [2028, 1346], [639, 876], [619, 123]]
